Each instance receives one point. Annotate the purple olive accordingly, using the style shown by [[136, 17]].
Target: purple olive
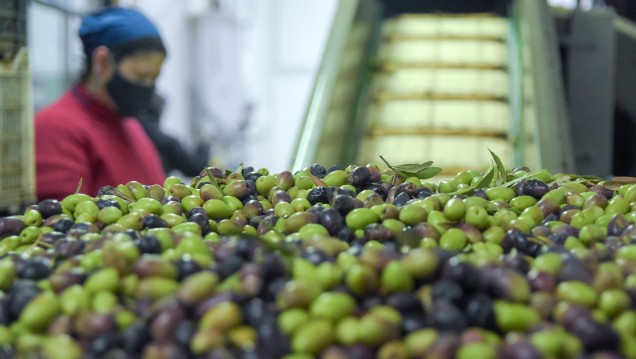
[[535, 188], [10, 226]]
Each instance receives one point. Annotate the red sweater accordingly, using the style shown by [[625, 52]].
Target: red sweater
[[77, 137]]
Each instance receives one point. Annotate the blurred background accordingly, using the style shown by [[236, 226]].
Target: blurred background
[[238, 74], [283, 84]]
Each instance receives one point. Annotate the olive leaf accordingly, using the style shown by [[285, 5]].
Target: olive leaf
[[618, 182], [421, 171], [560, 178], [428, 172], [624, 179], [501, 170], [238, 170], [589, 180], [528, 175], [79, 185], [115, 192], [211, 177], [486, 179], [38, 243], [318, 182], [413, 167], [592, 178]]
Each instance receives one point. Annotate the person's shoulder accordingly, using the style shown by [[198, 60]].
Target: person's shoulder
[[61, 113]]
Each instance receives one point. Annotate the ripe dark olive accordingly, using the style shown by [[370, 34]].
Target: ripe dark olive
[[49, 207], [11, 226], [318, 170], [317, 195], [148, 244], [535, 188], [360, 176]]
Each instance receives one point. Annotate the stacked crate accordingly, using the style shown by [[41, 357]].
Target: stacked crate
[[440, 92], [17, 179], [13, 24]]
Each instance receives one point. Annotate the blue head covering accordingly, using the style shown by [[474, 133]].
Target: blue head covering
[[115, 26]]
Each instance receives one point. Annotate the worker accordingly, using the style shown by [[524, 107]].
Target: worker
[[90, 133], [173, 155]]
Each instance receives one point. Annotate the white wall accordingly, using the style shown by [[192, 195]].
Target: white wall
[[55, 52], [586, 4], [288, 38]]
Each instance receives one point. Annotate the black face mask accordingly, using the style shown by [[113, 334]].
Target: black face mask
[[129, 97]]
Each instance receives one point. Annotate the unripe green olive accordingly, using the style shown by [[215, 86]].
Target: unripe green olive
[[358, 218], [455, 209]]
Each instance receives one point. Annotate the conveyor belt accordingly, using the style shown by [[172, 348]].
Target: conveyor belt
[[445, 87]]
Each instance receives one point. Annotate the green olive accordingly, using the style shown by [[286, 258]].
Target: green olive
[[358, 218], [304, 182], [7, 274], [233, 202], [548, 262], [477, 350], [71, 201], [476, 216], [131, 221], [148, 204], [453, 239], [613, 302], [264, 184], [347, 330], [104, 302], [109, 215], [61, 346], [32, 217], [514, 316], [592, 233], [313, 336], [558, 195], [224, 316], [40, 311], [336, 178], [217, 209], [284, 209], [106, 279], [420, 341], [187, 227], [393, 225], [156, 288], [396, 277], [412, 214], [74, 299], [447, 186], [29, 234], [291, 319], [332, 306], [577, 292], [522, 202], [500, 193], [455, 209]]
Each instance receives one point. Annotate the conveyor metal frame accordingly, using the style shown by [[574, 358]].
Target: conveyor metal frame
[[540, 129]]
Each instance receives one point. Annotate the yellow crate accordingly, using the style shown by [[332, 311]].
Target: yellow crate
[[17, 167]]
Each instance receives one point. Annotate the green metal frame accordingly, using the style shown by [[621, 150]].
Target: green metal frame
[[545, 137]]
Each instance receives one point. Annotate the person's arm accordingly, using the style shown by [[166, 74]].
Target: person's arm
[[61, 158], [189, 163], [173, 155]]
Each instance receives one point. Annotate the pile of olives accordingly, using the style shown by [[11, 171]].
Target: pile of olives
[[331, 263]]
